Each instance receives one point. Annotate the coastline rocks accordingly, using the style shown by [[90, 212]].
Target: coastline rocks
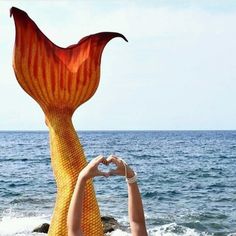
[[43, 228], [109, 224]]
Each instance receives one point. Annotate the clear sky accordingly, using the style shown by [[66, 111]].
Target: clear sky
[[177, 72]]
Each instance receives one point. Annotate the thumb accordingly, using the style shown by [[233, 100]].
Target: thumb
[[113, 172], [105, 174]]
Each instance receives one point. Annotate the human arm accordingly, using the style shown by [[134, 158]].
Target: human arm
[[135, 206], [136, 213], [75, 208]]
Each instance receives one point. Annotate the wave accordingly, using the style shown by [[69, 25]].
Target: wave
[[20, 226], [23, 226], [171, 229]]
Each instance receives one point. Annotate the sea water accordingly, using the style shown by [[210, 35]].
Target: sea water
[[187, 180]]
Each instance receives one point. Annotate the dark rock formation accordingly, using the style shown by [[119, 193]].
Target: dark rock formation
[[43, 228], [109, 224]]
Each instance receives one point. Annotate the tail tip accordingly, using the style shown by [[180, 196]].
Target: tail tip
[[15, 10], [123, 37]]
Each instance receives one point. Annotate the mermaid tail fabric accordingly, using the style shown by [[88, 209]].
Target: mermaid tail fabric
[[60, 80]]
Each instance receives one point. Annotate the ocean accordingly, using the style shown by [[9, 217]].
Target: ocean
[[187, 180]]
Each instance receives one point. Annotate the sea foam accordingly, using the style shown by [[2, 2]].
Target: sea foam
[[23, 226], [20, 226]]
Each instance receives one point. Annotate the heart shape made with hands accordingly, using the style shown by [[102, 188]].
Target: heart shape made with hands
[[106, 168], [100, 166]]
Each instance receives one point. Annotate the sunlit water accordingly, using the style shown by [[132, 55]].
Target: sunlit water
[[187, 180]]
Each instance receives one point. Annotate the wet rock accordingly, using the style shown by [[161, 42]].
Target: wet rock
[[43, 228], [109, 224]]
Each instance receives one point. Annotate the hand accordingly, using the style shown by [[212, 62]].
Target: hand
[[91, 170], [120, 170]]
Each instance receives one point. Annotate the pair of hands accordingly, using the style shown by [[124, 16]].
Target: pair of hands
[[91, 170]]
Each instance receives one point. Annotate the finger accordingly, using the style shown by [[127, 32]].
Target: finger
[[104, 161], [116, 158], [123, 161], [114, 172], [105, 174], [101, 159], [94, 160], [98, 157], [112, 159]]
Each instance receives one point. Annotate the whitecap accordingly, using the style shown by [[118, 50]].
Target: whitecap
[[20, 226], [171, 229]]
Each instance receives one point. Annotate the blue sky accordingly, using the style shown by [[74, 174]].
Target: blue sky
[[177, 72]]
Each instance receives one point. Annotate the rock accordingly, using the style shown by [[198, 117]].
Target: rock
[[43, 228], [109, 224]]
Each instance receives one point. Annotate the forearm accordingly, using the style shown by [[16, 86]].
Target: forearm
[[135, 208], [136, 213], [75, 208]]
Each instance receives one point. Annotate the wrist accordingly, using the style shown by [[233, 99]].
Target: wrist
[[130, 173], [82, 177], [132, 179]]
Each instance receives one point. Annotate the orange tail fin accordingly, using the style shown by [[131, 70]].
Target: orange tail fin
[[56, 77]]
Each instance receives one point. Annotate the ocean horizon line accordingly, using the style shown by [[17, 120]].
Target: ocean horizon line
[[129, 130]]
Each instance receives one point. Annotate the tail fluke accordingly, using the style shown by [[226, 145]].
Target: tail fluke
[[56, 77]]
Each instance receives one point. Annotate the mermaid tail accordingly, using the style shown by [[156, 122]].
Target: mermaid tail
[[60, 80]]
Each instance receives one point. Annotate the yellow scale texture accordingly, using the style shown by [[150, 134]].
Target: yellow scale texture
[[60, 80], [67, 159]]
